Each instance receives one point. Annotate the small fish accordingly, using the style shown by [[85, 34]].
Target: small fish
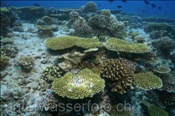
[[36, 4], [159, 7], [123, 0], [153, 5], [119, 6], [146, 2], [111, 0]]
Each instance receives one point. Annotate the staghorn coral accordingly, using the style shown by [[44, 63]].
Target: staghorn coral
[[50, 73], [26, 63], [78, 86], [147, 81], [119, 74], [60, 43], [90, 7], [156, 111], [3, 61], [115, 44]]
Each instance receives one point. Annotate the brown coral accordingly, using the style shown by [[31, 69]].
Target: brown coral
[[90, 7], [120, 76]]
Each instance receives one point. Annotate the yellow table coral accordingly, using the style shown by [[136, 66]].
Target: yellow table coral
[[78, 86], [120, 45], [63, 42], [148, 81]]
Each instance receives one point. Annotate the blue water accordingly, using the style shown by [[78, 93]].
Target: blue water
[[131, 6]]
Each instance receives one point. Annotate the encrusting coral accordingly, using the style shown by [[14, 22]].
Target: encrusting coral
[[26, 63], [60, 43], [120, 45], [50, 73], [78, 86], [147, 81], [119, 75]]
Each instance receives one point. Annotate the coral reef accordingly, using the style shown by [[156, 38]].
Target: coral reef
[[60, 43], [105, 12], [31, 13], [164, 43], [161, 69], [90, 7], [119, 74], [78, 86], [9, 50], [108, 24], [154, 26], [6, 40], [3, 61], [26, 63], [46, 30], [147, 81], [50, 73], [115, 44]]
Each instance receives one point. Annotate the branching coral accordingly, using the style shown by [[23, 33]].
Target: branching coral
[[51, 72], [90, 7], [147, 81], [26, 63], [120, 76], [60, 43], [78, 86], [115, 44]]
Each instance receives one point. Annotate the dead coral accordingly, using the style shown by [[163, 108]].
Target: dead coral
[[119, 74]]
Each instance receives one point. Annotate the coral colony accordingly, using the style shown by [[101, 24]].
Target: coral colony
[[84, 62]]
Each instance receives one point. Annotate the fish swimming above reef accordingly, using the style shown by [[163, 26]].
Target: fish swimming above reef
[[124, 0], [119, 6], [159, 7], [36, 4], [153, 5], [146, 2], [111, 0]]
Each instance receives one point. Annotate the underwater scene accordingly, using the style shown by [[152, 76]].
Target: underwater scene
[[87, 58]]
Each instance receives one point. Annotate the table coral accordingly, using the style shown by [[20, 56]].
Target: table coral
[[78, 86], [147, 81], [60, 43], [120, 45], [119, 74]]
